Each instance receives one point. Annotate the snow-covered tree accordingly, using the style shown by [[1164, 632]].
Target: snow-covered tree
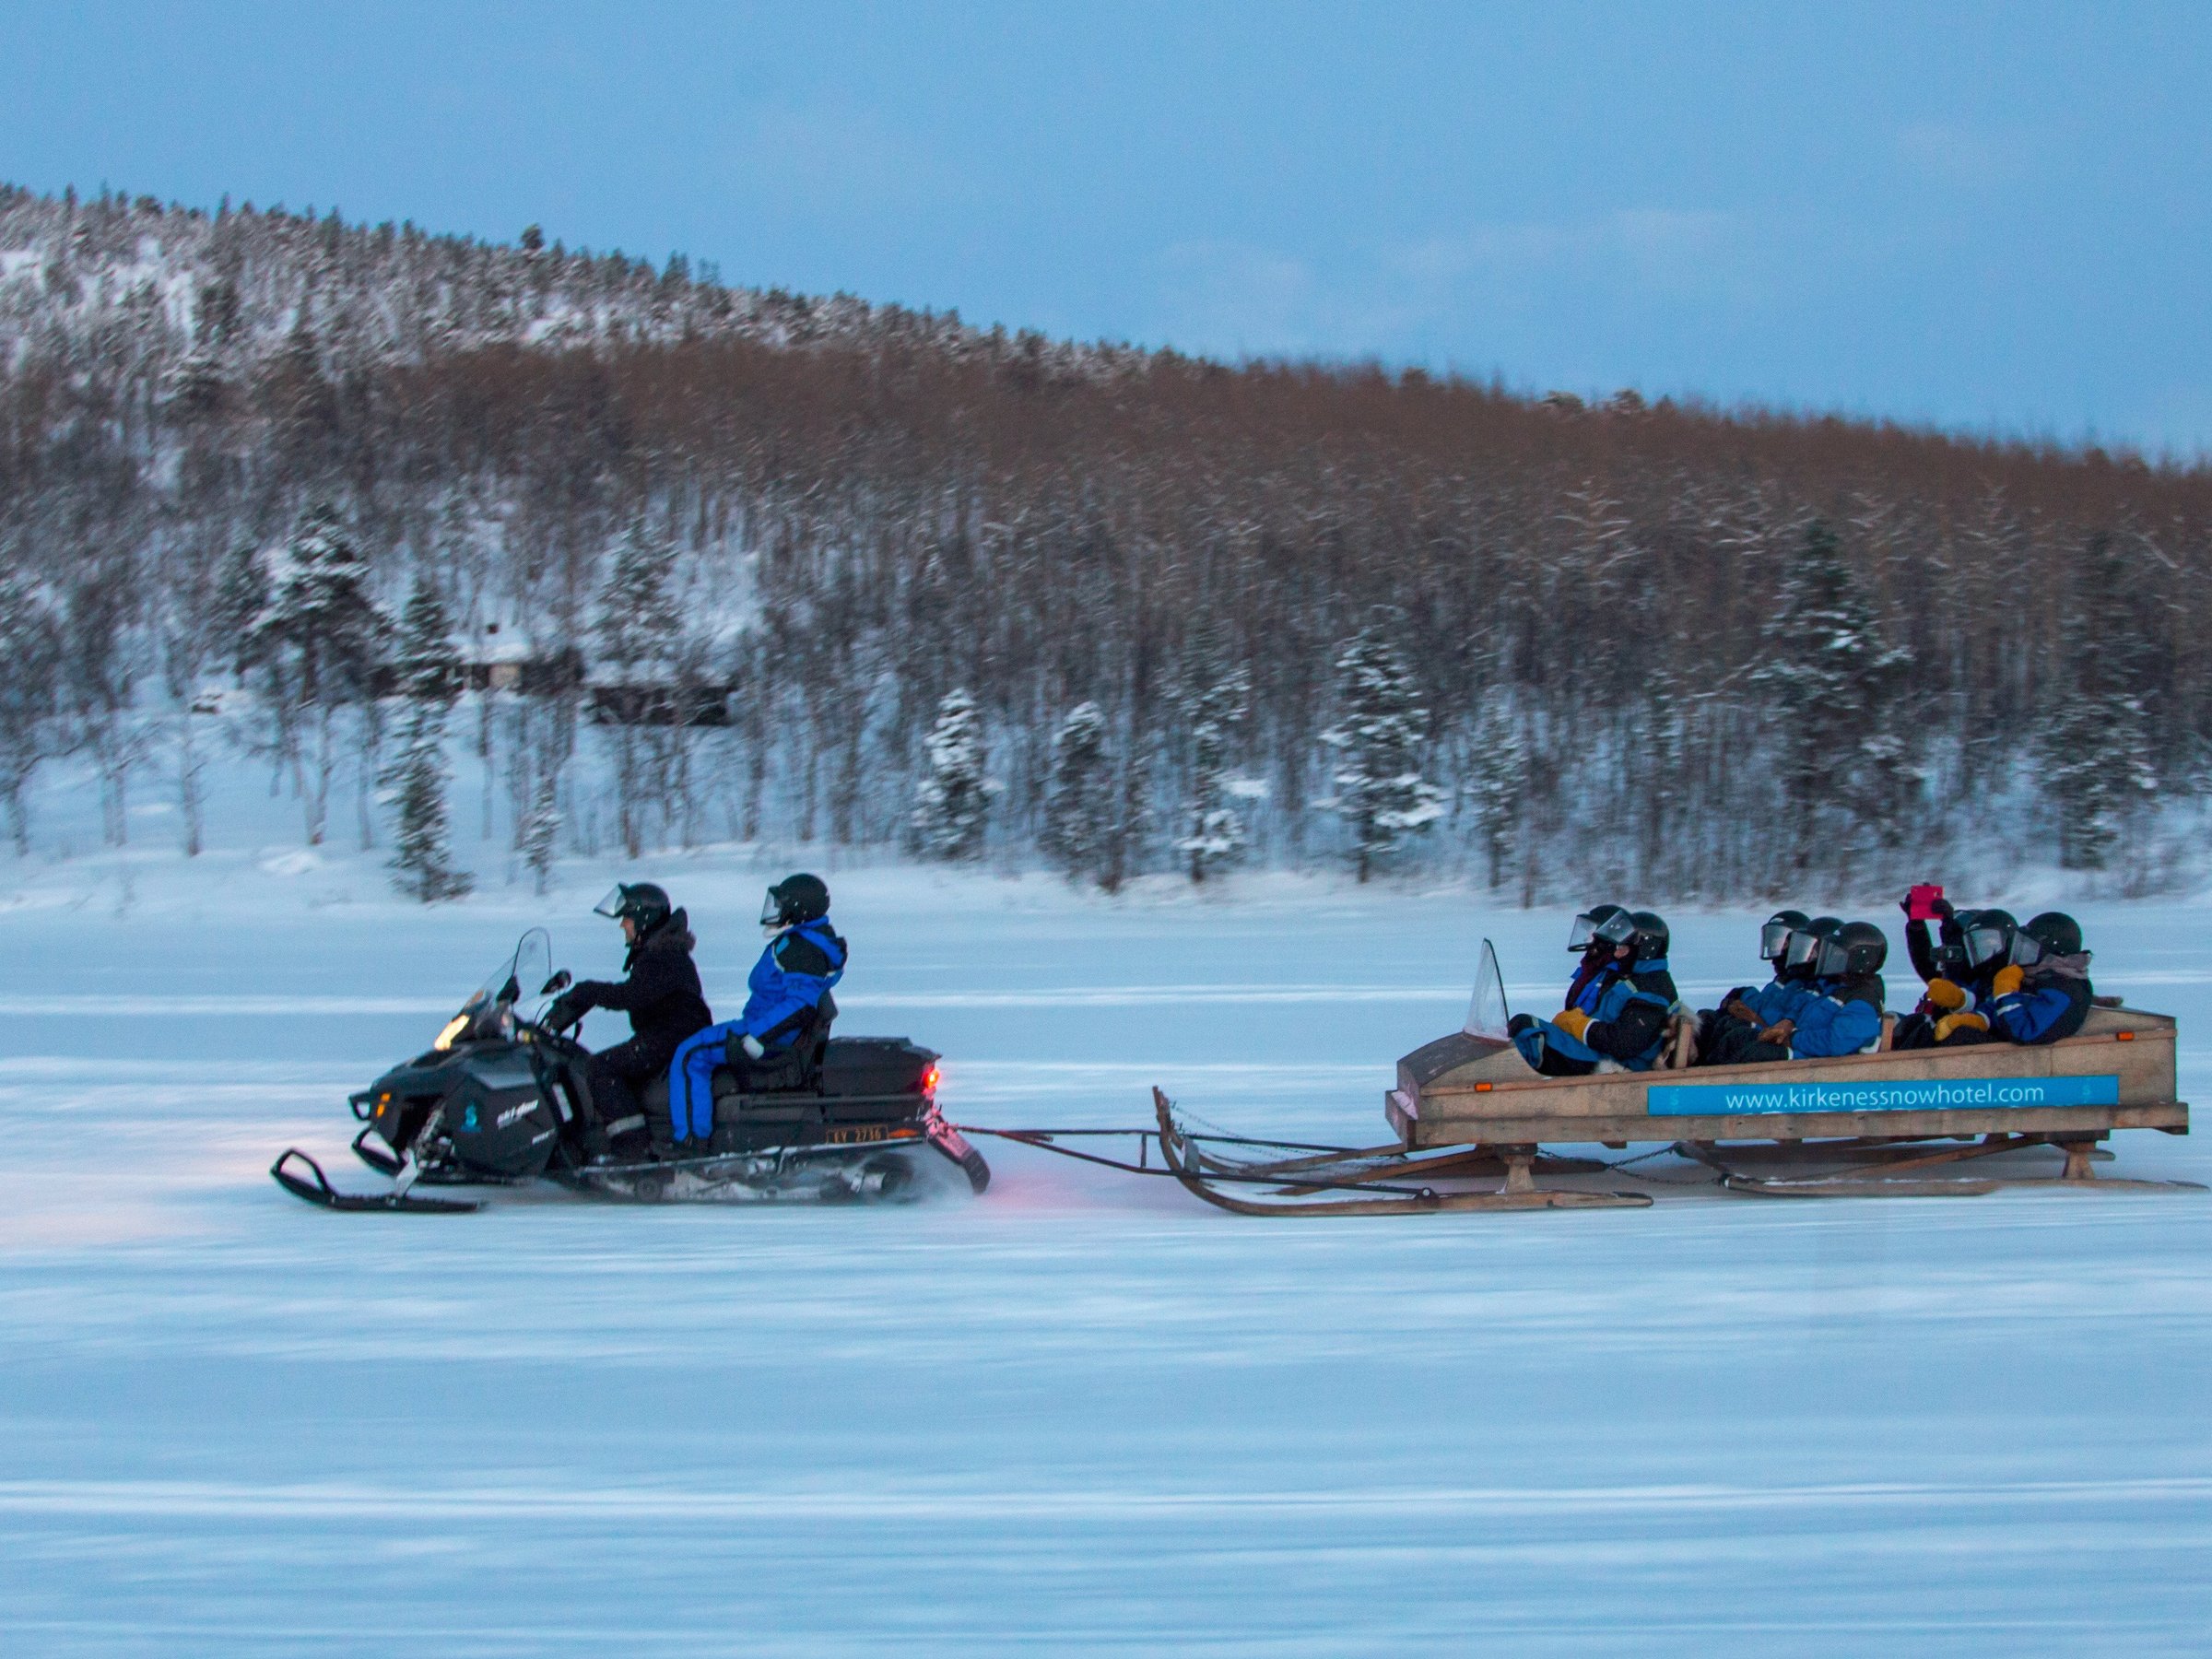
[[638, 637], [429, 672], [2095, 742], [31, 651], [316, 645], [1381, 793], [1829, 678], [1080, 797], [953, 804], [1496, 787], [1214, 706], [99, 672]]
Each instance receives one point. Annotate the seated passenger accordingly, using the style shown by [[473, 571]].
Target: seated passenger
[[1944, 957], [661, 994], [1756, 1031], [2043, 993], [804, 958], [1622, 1016], [1596, 954], [1759, 1008], [1954, 1013], [1843, 1013]]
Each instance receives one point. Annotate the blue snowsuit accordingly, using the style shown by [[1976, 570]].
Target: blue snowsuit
[[1628, 1015], [2052, 1003], [787, 985], [1837, 1017]]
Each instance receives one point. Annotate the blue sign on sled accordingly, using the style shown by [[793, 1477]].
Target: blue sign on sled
[[1950, 1094]]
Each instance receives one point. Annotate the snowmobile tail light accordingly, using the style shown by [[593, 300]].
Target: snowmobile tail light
[[454, 1027], [929, 1080], [2125, 1036]]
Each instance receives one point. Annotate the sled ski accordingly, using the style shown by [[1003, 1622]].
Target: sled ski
[[1367, 1182], [315, 1188], [1872, 1168]]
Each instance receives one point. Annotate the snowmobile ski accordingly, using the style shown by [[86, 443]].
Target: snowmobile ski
[[316, 1189]]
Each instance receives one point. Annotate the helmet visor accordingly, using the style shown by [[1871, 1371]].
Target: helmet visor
[[2026, 949], [771, 909], [611, 906], [1986, 943], [1803, 949], [1617, 928], [1832, 959], [1774, 939], [1581, 933]]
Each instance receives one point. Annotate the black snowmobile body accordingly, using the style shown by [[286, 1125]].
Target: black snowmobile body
[[500, 1099]]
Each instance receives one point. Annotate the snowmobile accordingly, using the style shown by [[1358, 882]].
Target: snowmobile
[[498, 1099]]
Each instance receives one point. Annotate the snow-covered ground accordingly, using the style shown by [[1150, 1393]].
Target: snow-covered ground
[[1081, 1412]]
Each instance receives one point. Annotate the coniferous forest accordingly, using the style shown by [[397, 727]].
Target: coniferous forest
[[686, 563]]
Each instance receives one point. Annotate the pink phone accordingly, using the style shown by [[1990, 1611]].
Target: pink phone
[[1920, 903]]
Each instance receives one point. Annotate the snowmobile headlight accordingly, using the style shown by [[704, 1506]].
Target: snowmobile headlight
[[454, 1027]]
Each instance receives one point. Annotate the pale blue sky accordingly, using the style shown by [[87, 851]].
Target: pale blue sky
[[1996, 218]]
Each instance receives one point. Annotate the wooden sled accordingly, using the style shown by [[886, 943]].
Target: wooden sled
[[1886, 1123]]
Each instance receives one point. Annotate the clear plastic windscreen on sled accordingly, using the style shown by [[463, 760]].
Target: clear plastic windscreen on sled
[[1487, 1013]]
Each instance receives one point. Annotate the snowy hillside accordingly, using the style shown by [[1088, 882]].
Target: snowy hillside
[[737, 564]]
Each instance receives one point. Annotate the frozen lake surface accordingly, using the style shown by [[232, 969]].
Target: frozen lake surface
[[1082, 1412]]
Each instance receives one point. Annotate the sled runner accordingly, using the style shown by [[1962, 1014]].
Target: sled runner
[[500, 1099]]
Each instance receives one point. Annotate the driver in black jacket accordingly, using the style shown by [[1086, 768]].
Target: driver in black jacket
[[661, 995]]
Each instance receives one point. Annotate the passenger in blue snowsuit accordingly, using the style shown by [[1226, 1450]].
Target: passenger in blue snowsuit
[[1753, 1027], [1619, 1014], [2043, 991], [788, 991], [1843, 1012], [1956, 1009], [1755, 1010]]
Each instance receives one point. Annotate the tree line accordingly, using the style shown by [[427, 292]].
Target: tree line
[[821, 572]]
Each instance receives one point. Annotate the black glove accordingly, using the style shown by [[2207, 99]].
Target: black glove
[[567, 1009]]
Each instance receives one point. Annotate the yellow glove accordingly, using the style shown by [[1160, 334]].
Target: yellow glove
[[1944, 995], [1572, 1021], [2007, 981], [1960, 1022]]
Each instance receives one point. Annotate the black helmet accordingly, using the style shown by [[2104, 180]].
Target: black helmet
[[1804, 944], [1774, 937], [1584, 934], [1643, 932], [793, 900], [638, 902], [1987, 935], [2052, 934], [1855, 948]]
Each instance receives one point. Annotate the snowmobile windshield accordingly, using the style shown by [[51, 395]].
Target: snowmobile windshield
[[611, 906], [1486, 1013], [1774, 939], [518, 978]]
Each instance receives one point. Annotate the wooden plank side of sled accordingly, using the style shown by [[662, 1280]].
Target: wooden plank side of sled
[[1498, 1125]]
